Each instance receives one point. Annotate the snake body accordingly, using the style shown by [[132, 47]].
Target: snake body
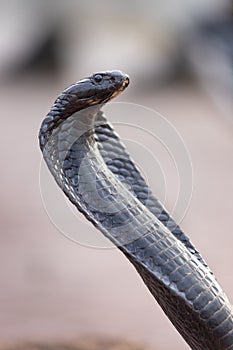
[[94, 170]]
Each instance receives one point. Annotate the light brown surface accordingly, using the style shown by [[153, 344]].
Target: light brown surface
[[52, 288], [80, 344]]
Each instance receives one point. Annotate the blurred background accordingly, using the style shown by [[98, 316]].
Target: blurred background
[[179, 55]]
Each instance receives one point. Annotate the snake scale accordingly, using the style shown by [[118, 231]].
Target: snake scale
[[94, 170]]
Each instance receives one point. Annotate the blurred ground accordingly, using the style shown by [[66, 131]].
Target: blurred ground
[[80, 344], [54, 289]]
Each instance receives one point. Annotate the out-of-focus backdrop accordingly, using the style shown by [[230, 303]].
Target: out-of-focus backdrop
[[179, 55]]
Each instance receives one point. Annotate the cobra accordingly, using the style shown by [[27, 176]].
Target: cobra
[[94, 170]]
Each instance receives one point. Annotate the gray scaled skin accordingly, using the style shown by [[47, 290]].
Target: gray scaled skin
[[92, 167]]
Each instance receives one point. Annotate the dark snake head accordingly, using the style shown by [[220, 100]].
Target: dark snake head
[[99, 88], [87, 93]]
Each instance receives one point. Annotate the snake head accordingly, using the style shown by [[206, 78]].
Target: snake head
[[99, 88], [91, 92]]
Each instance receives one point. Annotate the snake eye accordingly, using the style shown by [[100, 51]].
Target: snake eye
[[98, 78]]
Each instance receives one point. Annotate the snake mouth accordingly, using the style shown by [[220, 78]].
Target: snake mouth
[[120, 89], [125, 82]]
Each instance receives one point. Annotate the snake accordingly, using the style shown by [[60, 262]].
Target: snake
[[93, 168]]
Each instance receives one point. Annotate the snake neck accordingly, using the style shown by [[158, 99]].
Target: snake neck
[[67, 108], [164, 263]]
